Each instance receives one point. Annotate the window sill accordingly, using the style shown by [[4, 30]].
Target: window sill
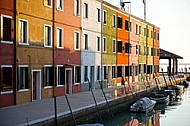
[[23, 90], [59, 9], [7, 42], [60, 85], [6, 92], [76, 83], [50, 6], [59, 47], [47, 46], [47, 87], [23, 43]]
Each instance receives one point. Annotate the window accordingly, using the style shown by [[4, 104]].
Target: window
[[119, 71], [76, 40], [139, 68], [60, 37], [119, 46], [6, 29], [76, 6], [23, 77], [48, 36], [128, 70], [105, 73], [85, 41], [61, 75], [119, 22], [113, 72], [149, 69], [85, 10], [98, 44], [137, 30], [98, 72], [48, 76], [104, 44], [85, 73], [146, 32], [6, 78], [23, 31], [158, 36], [140, 51], [158, 52], [127, 25], [104, 17], [48, 2], [99, 16], [152, 51], [145, 50], [113, 20], [151, 34], [127, 47], [144, 68], [77, 74], [60, 4], [154, 35], [114, 46]]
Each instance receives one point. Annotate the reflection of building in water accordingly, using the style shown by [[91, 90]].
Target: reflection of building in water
[[157, 118]]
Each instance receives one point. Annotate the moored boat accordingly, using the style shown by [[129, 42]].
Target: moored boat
[[143, 105]]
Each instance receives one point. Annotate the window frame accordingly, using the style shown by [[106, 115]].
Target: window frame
[[114, 20], [98, 40], [58, 76], [119, 22], [79, 76], [75, 44], [24, 89], [114, 46], [60, 6], [86, 40], [77, 8], [99, 15], [2, 78], [45, 79], [27, 34], [47, 4], [104, 17], [1, 23], [98, 68], [104, 44], [85, 73], [46, 25], [85, 5], [62, 38]]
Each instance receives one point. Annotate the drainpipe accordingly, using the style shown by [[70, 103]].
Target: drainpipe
[[53, 44], [15, 58], [101, 66]]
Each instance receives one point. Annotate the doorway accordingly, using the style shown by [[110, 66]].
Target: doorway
[[36, 85], [92, 77], [68, 88]]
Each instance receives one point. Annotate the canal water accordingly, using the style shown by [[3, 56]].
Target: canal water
[[175, 114]]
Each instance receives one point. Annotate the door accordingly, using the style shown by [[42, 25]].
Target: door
[[133, 73], [68, 81], [92, 76], [36, 85]]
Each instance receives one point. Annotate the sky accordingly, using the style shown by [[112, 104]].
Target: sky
[[173, 18]]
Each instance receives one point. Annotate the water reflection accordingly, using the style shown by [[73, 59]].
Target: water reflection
[[173, 113]]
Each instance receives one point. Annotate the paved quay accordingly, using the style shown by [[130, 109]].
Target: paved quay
[[39, 111]]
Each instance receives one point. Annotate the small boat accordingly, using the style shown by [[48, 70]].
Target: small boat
[[143, 105], [159, 98]]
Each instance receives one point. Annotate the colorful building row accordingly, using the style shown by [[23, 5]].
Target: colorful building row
[[56, 47]]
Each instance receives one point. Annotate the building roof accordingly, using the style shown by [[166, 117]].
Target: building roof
[[168, 55]]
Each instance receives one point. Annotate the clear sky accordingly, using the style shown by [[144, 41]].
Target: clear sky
[[173, 18]]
